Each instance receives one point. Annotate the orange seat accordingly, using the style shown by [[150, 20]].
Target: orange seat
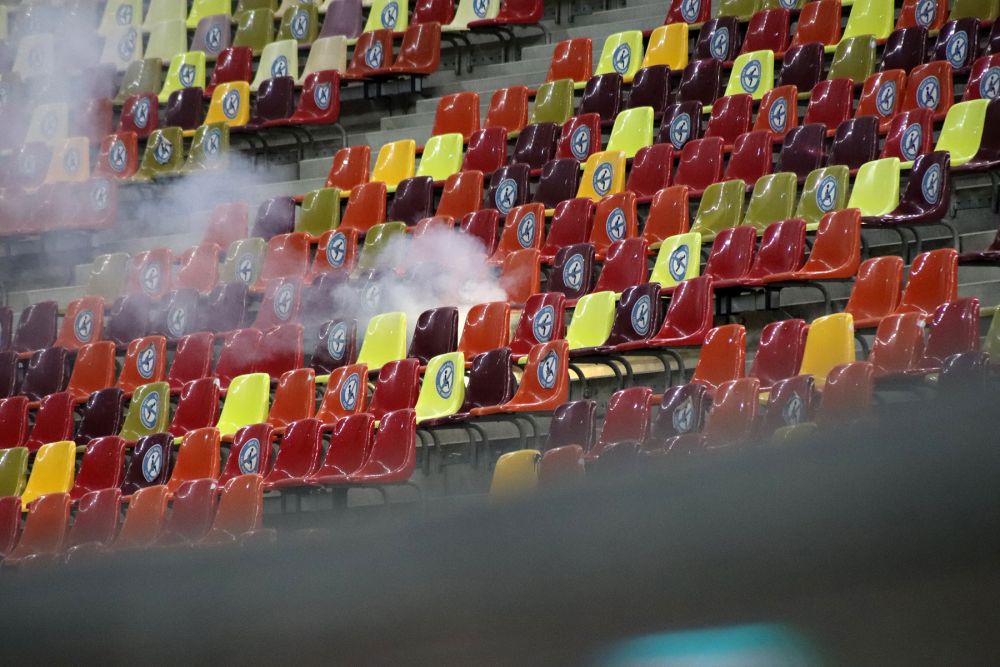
[[933, 14], [145, 362], [487, 327], [522, 228], [876, 291], [615, 219], [147, 509], [349, 167], [365, 208], [572, 59], [197, 458], [818, 22], [520, 274], [778, 111], [241, 508], [933, 280], [149, 273], [118, 156], [899, 344], [508, 109], [544, 384], [930, 86], [462, 193], [45, 528], [882, 97], [93, 369], [458, 112], [346, 393], [199, 268], [836, 251], [372, 55], [83, 323], [294, 398], [420, 50], [723, 356], [287, 256], [337, 252], [669, 214]]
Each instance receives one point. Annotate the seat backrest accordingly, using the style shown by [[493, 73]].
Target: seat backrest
[[571, 59], [592, 320], [825, 191], [876, 291], [53, 420], [46, 374], [397, 387], [779, 351], [198, 406], [508, 109], [700, 82], [932, 280], [147, 509], [384, 341], [247, 402], [197, 458], [51, 472], [752, 73], [250, 452], [723, 356], [830, 342], [545, 383], [678, 259], [46, 525], [876, 187], [13, 471], [682, 410], [102, 416], [847, 394], [96, 518]]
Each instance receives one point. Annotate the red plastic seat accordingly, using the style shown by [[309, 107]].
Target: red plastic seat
[[920, 13], [790, 401], [561, 465], [731, 256], [984, 82], [393, 455], [36, 328], [520, 275], [876, 291], [778, 111], [487, 327], [93, 369], [287, 256], [830, 103], [933, 280], [482, 225], [294, 398], [13, 421], [147, 509], [910, 133], [197, 407], [349, 168], [953, 329], [234, 63], [723, 356], [544, 385], [298, 454], [139, 115], [238, 354], [365, 208], [898, 345], [768, 30], [523, 228], [145, 362], [458, 112], [651, 171], [487, 150], [700, 164], [573, 424], [420, 51], [351, 439], [280, 305], [96, 519], [730, 422], [462, 194], [571, 222], [249, 454], [731, 117], [930, 87], [372, 55], [781, 250], [542, 321], [779, 352], [241, 506], [882, 96], [627, 418], [319, 103], [615, 219], [102, 466], [508, 109], [688, 319], [624, 266], [818, 22], [571, 59], [53, 421], [191, 512], [751, 157], [118, 156], [149, 273], [686, 11], [836, 250], [336, 255], [227, 223], [199, 268], [197, 458], [10, 523], [45, 528], [345, 394], [397, 387], [280, 350], [513, 12]]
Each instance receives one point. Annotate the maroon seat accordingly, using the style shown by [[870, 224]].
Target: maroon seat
[[637, 316], [651, 88], [573, 423], [36, 327], [952, 329], [684, 11], [731, 256], [192, 359], [718, 39], [274, 216], [802, 66], [855, 142], [701, 82], [964, 371], [802, 150], [731, 117], [558, 182], [298, 454], [688, 318], [250, 452], [768, 30], [393, 455], [791, 401], [140, 115], [351, 438], [957, 43], [542, 320], [129, 319], [572, 271], [8, 374], [491, 380], [624, 265], [508, 188], [176, 315], [197, 407], [413, 200], [436, 333], [487, 150], [602, 95], [342, 18], [281, 303], [149, 464], [47, 373], [830, 103], [53, 421], [535, 146], [988, 156], [571, 222], [927, 197], [397, 387], [235, 63], [682, 410], [102, 466], [275, 102], [239, 350], [779, 352], [185, 109], [652, 170], [680, 124], [280, 350], [13, 421], [984, 84], [103, 415], [905, 49], [483, 225], [782, 250], [225, 309], [96, 518], [336, 347], [626, 419]]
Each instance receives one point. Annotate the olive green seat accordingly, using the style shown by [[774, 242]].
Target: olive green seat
[[825, 190], [13, 470], [721, 207], [320, 212], [773, 200], [553, 102]]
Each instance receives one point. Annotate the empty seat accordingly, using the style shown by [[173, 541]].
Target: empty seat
[[622, 54], [678, 259], [52, 471], [700, 82], [680, 124], [932, 281]]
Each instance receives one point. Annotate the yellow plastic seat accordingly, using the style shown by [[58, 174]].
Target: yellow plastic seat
[[991, 343], [443, 390], [472, 10], [395, 161], [187, 70], [166, 40], [209, 148], [148, 411], [553, 102], [376, 240], [621, 54], [244, 261], [603, 174], [230, 104], [164, 154], [326, 53], [70, 162], [320, 212], [984, 10], [52, 472], [963, 131], [825, 190], [277, 59], [163, 10], [120, 14], [721, 207], [35, 56], [387, 15], [49, 124], [247, 402], [385, 340], [668, 45], [871, 17], [202, 8], [122, 47], [633, 129], [300, 25], [678, 259], [752, 73], [773, 200], [442, 156], [592, 320], [515, 474], [876, 187], [829, 343]]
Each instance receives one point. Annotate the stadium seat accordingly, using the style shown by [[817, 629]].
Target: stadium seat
[[365, 208], [458, 112], [420, 50], [984, 79], [166, 40], [515, 475], [197, 408], [395, 162], [513, 12], [905, 49], [247, 402], [751, 157], [52, 471], [202, 8], [350, 439], [46, 373], [667, 45], [377, 240], [82, 323], [930, 87], [14, 423], [553, 103], [254, 29], [825, 190], [392, 458], [559, 180], [718, 39], [882, 97], [96, 521], [681, 410], [396, 388], [186, 70], [870, 18], [963, 131], [854, 59], [384, 340], [752, 74], [238, 515], [721, 206], [482, 225], [652, 171], [926, 15], [731, 256], [876, 188], [633, 130], [387, 15], [249, 454], [603, 174], [723, 357], [213, 35], [570, 225], [508, 109], [591, 324], [486, 328], [668, 215], [731, 116], [571, 59], [541, 322], [129, 319], [164, 155], [544, 385], [442, 392], [836, 250], [536, 145], [615, 219], [819, 22], [952, 329], [13, 471], [191, 513], [985, 10], [830, 104], [148, 411], [700, 82], [768, 30], [692, 13], [300, 25], [773, 200], [876, 291], [520, 275], [572, 271], [234, 65], [44, 530], [144, 519], [602, 95], [372, 55], [680, 124], [927, 197], [278, 59], [119, 14], [932, 281], [298, 456], [729, 423], [442, 156], [53, 421], [192, 360], [651, 88], [802, 150], [93, 369], [956, 43], [779, 352], [700, 164], [621, 54], [149, 273], [624, 266], [36, 327], [677, 260], [197, 458], [118, 156], [345, 393]]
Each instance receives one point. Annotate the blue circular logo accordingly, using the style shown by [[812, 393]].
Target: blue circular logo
[[99, 194], [543, 323], [322, 95], [373, 55], [140, 113], [885, 99], [336, 341], [506, 195], [925, 12], [390, 14], [791, 413], [71, 161], [718, 45], [177, 321], [186, 75], [526, 230], [826, 194], [284, 299], [83, 326], [126, 45], [777, 116], [279, 67], [213, 39], [152, 463], [231, 104], [336, 250], [151, 279], [145, 363], [621, 58], [957, 48], [690, 10], [548, 369], [989, 85], [677, 264], [615, 225], [682, 417], [573, 272], [680, 130], [244, 269], [909, 144], [603, 177], [124, 14], [249, 459], [300, 24], [480, 7], [350, 392], [929, 93], [788, 4], [213, 142], [149, 410], [931, 184], [751, 75], [579, 143], [641, 312], [444, 381]]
